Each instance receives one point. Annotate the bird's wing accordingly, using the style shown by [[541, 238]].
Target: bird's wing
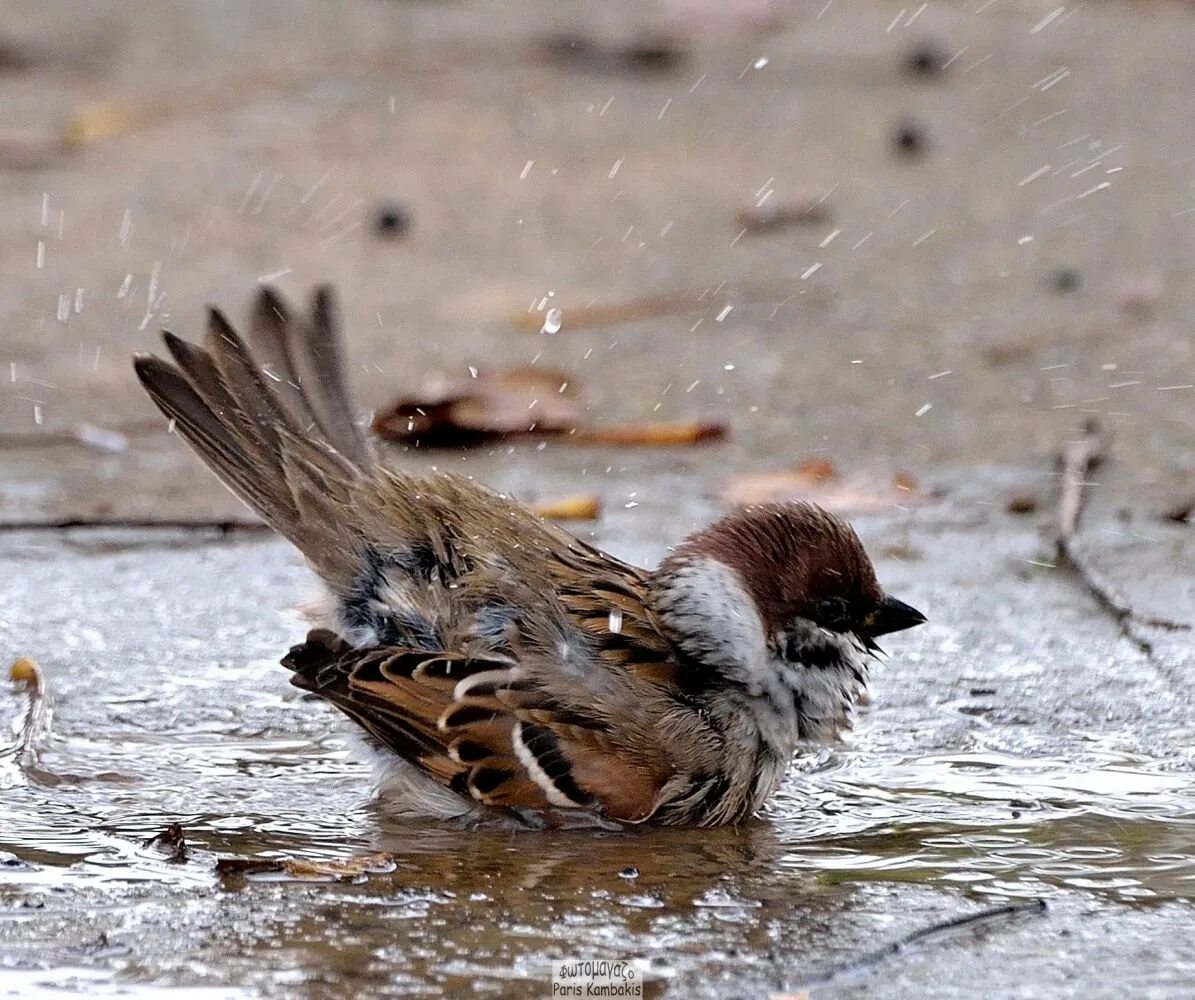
[[494, 731], [607, 601]]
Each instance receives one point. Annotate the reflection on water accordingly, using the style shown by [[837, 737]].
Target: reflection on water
[[994, 823], [998, 824], [483, 910], [202, 729]]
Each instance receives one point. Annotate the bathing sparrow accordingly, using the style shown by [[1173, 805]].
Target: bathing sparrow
[[499, 666]]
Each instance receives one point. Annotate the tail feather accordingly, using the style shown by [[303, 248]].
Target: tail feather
[[203, 376], [208, 435], [270, 338], [318, 363], [258, 413], [327, 377], [283, 440]]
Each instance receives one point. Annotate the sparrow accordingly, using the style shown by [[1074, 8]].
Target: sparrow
[[498, 666]]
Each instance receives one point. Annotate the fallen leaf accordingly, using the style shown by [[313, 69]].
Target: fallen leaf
[[817, 481], [347, 870], [650, 54], [493, 406], [578, 508], [1022, 503], [666, 433]]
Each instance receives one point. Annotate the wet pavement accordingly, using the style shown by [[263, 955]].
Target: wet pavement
[[1019, 746]]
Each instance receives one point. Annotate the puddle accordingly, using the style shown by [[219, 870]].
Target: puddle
[[991, 767]]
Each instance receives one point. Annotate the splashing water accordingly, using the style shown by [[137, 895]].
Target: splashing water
[[553, 321]]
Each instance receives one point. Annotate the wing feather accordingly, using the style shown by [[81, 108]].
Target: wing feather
[[476, 725]]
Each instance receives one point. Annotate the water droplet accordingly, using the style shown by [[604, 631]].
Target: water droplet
[[616, 620], [553, 320]]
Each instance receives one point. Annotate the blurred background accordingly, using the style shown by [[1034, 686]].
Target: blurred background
[[636, 262], [912, 236]]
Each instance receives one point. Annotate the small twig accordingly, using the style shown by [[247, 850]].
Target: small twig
[[222, 526], [871, 958], [35, 724], [1080, 458]]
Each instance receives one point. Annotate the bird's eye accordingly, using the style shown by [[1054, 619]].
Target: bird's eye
[[832, 613]]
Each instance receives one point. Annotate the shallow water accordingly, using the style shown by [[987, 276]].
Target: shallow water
[[996, 763]]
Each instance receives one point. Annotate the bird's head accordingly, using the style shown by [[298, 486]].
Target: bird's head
[[782, 601]]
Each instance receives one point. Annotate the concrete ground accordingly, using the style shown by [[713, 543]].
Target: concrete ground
[[955, 316]]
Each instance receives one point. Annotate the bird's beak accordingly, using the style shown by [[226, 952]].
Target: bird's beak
[[891, 615]]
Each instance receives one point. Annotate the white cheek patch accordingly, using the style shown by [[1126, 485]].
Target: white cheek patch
[[709, 613]]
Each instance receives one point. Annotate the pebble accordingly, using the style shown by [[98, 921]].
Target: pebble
[[391, 221], [1065, 280], [925, 60], [910, 139]]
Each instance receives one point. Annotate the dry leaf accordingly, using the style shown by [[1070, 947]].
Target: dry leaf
[[817, 481], [489, 406], [678, 432], [578, 508], [493, 406], [650, 54], [348, 870]]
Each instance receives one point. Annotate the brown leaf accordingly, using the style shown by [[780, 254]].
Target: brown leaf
[[511, 402], [817, 481], [578, 508], [347, 870], [666, 433], [649, 54], [817, 470], [492, 405]]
